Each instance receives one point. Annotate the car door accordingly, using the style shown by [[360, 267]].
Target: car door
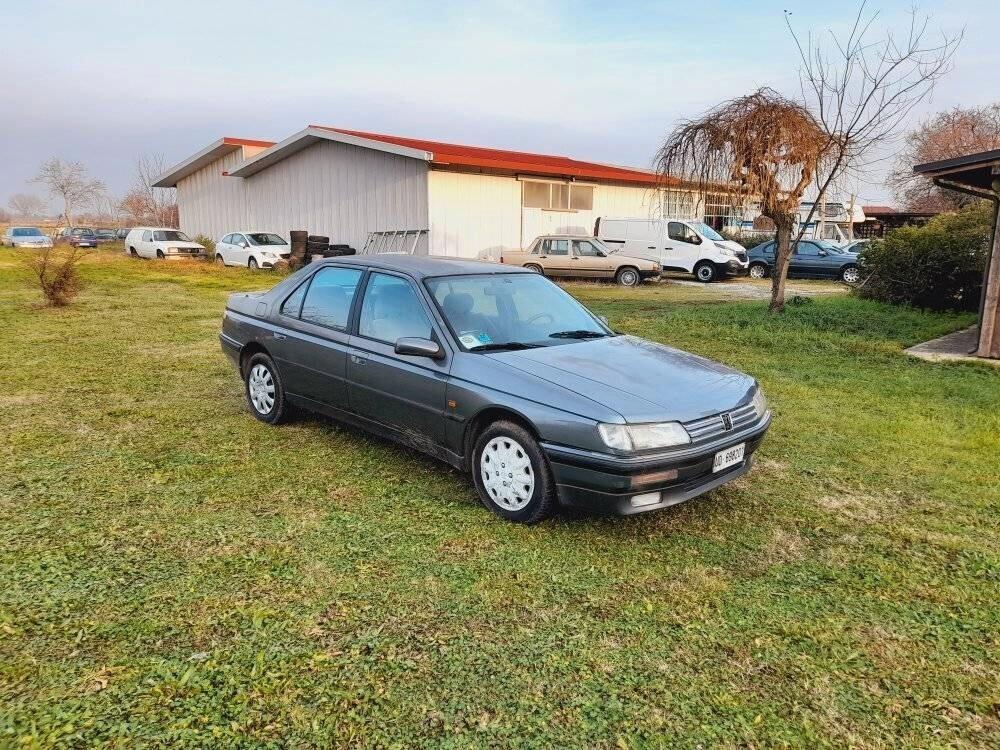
[[807, 260], [146, 249], [240, 249], [554, 257], [681, 246], [311, 349], [402, 392], [224, 248], [589, 262]]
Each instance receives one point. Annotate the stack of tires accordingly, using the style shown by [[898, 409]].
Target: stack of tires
[[299, 242], [316, 247], [336, 250]]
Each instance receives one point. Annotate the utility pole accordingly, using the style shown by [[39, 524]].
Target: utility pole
[[850, 218]]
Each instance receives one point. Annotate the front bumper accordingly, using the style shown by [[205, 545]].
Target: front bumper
[[732, 268], [603, 483]]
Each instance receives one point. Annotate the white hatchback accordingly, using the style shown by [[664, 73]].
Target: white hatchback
[[161, 242], [252, 249]]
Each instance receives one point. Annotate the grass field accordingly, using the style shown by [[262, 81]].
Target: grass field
[[175, 573]]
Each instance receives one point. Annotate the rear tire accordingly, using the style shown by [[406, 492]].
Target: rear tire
[[219, 260], [264, 390], [512, 474], [536, 268], [758, 271], [628, 276], [705, 272]]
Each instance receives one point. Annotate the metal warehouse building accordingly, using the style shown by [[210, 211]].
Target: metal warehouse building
[[474, 201]]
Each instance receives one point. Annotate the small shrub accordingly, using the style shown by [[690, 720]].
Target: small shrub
[[938, 266], [208, 243], [57, 274], [748, 241]]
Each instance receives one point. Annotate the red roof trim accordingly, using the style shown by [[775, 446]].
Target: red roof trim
[[245, 142], [521, 162]]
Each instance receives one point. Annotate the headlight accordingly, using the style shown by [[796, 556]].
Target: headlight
[[759, 403], [638, 437], [267, 254], [726, 250]]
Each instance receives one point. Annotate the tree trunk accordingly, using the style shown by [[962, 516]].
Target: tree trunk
[[782, 256]]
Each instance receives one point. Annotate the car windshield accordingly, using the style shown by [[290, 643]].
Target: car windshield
[[830, 247], [265, 238], [512, 311], [83, 230], [26, 232], [706, 231], [170, 236]]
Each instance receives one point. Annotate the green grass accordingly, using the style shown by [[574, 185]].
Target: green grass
[[175, 573]]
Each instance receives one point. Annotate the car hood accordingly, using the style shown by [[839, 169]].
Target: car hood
[[32, 239], [732, 245], [641, 380]]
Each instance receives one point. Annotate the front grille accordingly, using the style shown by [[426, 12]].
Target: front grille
[[711, 428], [742, 257]]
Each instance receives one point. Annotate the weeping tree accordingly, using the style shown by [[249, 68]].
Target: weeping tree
[[762, 149]]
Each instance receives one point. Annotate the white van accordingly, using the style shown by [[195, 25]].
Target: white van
[[161, 242], [676, 244]]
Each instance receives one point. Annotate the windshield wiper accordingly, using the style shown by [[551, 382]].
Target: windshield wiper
[[579, 334], [506, 346]]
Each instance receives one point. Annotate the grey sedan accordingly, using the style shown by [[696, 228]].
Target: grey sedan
[[499, 372]]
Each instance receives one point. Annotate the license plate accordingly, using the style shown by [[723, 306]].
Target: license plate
[[729, 457]]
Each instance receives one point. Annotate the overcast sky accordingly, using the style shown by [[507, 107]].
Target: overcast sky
[[103, 82]]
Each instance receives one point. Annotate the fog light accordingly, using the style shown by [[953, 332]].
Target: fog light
[[649, 498]]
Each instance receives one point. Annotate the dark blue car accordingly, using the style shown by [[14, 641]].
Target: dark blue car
[[811, 259]]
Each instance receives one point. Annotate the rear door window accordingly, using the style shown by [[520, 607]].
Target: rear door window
[[329, 297]]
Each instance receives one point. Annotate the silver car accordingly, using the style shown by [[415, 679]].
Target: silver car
[[26, 237]]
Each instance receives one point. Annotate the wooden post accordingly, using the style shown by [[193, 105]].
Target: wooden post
[[850, 219], [989, 324]]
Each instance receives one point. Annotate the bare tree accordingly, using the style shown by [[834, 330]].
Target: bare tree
[[945, 135], [27, 206], [862, 89], [761, 148], [70, 182], [158, 204]]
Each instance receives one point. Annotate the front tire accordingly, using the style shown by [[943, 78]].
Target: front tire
[[252, 264], [265, 392], [850, 275], [758, 271], [512, 474], [628, 276], [705, 272], [536, 268]]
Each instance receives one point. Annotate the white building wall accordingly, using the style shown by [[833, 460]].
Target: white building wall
[[211, 204], [478, 216], [341, 191], [473, 215]]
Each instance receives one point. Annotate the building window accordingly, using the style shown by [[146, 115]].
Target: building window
[[557, 196], [679, 205], [719, 213]]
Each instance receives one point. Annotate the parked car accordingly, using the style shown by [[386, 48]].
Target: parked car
[[105, 235], [582, 257], [26, 237], [676, 244], [121, 234], [78, 237], [499, 372], [856, 246], [811, 259], [161, 242], [252, 249]]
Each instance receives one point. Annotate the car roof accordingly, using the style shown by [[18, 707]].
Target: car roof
[[565, 237], [424, 266]]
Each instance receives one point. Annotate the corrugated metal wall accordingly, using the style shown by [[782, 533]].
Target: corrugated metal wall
[[211, 204], [341, 191]]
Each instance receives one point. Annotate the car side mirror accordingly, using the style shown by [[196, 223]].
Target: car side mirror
[[823, 252], [244, 245], [418, 347]]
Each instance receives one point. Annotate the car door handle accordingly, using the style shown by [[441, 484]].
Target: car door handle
[[280, 336], [358, 360], [650, 247]]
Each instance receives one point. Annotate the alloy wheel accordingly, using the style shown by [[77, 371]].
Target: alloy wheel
[[757, 271], [851, 275], [260, 385], [252, 264], [628, 277], [506, 473]]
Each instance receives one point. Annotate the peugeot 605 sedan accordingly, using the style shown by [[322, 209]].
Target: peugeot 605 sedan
[[499, 372]]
